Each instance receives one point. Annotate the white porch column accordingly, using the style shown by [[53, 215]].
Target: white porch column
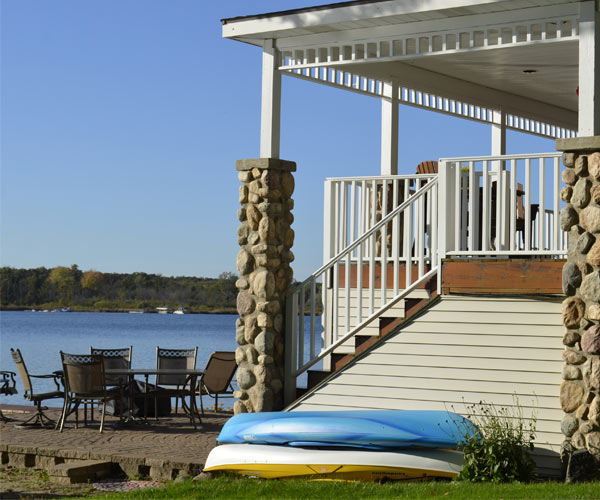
[[498, 133], [389, 129], [270, 114], [589, 61]]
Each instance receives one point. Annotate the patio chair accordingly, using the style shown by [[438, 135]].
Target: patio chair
[[8, 387], [114, 359], [217, 377], [427, 167], [39, 418], [174, 385], [85, 383]]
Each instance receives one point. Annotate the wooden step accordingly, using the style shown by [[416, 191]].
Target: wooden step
[[338, 361], [316, 377]]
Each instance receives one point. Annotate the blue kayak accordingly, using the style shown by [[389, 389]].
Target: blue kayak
[[368, 429]]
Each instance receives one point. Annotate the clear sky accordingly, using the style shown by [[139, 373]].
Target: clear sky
[[122, 120]]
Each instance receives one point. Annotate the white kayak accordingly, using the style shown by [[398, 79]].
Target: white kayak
[[273, 461]]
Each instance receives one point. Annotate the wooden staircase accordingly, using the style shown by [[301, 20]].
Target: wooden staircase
[[364, 343]]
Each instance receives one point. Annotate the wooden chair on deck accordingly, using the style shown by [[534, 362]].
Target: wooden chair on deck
[[427, 167]]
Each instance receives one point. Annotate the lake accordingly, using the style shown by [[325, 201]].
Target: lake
[[40, 335]]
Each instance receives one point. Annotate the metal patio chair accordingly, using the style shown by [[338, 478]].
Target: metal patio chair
[[39, 418], [217, 377], [8, 387], [174, 385], [85, 383], [114, 359]]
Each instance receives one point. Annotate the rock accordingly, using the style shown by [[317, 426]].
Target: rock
[[569, 176], [244, 262], [242, 284], [251, 329], [586, 427], [590, 287], [570, 396], [594, 312], [253, 214], [241, 214], [590, 342], [568, 159], [245, 303], [589, 219], [264, 342], [592, 375], [571, 372], [287, 184], [581, 166], [571, 278], [594, 412], [573, 357], [276, 385], [245, 376], [253, 238], [278, 323], [288, 240], [571, 338], [568, 217], [244, 176], [569, 425], [593, 256], [206, 475], [581, 193], [271, 178], [595, 194], [264, 284], [584, 243], [261, 397], [593, 446], [243, 194], [256, 173], [594, 165], [262, 374], [240, 355], [182, 478], [582, 411], [573, 310], [582, 467], [263, 320], [239, 407], [565, 193], [266, 230], [578, 441]]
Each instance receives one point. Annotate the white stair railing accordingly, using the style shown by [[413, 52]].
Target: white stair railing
[[373, 273]]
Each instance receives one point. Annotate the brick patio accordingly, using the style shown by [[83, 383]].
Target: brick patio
[[161, 449]]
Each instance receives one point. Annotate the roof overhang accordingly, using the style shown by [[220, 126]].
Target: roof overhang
[[520, 56]]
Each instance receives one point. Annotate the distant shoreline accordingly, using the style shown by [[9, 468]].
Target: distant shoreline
[[83, 309]]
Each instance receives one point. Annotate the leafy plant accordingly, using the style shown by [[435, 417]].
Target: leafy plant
[[502, 450]]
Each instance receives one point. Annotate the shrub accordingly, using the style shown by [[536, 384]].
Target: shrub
[[501, 453]]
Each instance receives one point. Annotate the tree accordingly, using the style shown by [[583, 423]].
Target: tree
[[63, 279], [92, 281]]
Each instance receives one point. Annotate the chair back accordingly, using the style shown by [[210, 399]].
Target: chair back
[[83, 373], [427, 167], [219, 371], [8, 385], [115, 359], [181, 359], [22, 369]]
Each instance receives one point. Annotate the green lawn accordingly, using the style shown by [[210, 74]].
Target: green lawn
[[243, 488]]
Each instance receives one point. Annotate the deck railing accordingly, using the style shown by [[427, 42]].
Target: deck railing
[[358, 278], [501, 206]]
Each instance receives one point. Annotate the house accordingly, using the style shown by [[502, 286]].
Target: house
[[447, 287]]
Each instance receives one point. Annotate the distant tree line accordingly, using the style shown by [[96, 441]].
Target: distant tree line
[[94, 290]]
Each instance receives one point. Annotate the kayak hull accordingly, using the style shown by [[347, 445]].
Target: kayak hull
[[272, 461]]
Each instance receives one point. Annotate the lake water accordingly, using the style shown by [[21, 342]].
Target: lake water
[[41, 335]]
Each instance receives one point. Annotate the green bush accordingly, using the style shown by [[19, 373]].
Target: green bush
[[501, 453]]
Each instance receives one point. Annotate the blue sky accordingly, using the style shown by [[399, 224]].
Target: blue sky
[[122, 120]]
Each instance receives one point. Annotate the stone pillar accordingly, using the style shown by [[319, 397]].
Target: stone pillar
[[265, 238], [580, 390]]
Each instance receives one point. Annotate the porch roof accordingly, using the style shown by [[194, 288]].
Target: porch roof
[[461, 57]]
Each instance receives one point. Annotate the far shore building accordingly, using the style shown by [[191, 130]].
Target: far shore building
[[475, 278]]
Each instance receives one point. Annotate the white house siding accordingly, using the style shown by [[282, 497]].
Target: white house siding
[[464, 350]]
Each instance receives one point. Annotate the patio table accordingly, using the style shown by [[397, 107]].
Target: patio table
[[191, 379]]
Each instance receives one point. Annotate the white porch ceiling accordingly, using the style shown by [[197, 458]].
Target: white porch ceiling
[[521, 56]]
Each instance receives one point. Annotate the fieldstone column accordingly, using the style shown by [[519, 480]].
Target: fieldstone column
[[580, 390], [265, 238]]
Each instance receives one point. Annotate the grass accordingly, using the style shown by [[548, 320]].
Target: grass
[[245, 488]]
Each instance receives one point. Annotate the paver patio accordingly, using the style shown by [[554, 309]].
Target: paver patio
[[160, 449]]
